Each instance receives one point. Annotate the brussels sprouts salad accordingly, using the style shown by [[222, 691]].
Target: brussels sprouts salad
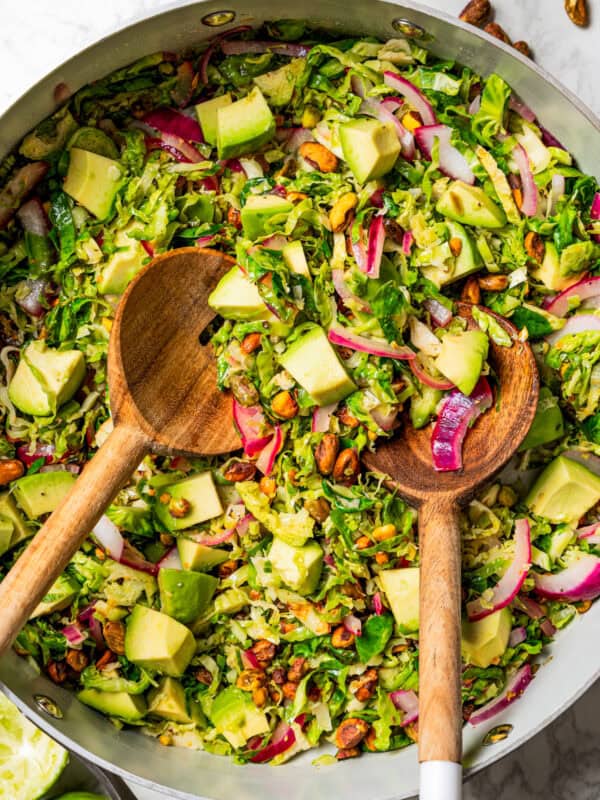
[[265, 603]]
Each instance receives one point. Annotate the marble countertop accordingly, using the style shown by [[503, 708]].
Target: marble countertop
[[561, 762]]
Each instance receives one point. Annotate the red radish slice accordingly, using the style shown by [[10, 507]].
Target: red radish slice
[[378, 604], [148, 248], [517, 636], [427, 379], [33, 217], [345, 293], [322, 417], [345, 338], [45, 451], [549, 139], [529, 204], [266, 460], [591, 533], [213, 541], [414, 96], [579, 581], [252, 426], [74, 635], [584, 290], [109, 537], [511, 582], [407, 243], [165, 120], [577, 324], [170, 560], [352, 624], [440, 315], [451, 161], [408, 702], [386, 421], [512, 691], [375, 247], [213, 46], [517, 105], [283, 738], [458, 412]]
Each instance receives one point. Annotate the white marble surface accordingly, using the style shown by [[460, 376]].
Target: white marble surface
[[37, 35]]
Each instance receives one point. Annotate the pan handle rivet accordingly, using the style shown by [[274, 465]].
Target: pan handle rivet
[[218, 18], [48, 706], [409, 29]]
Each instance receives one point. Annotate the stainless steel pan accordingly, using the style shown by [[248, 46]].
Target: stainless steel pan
[[575, 664]]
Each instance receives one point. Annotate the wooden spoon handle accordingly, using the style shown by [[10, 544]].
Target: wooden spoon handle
[[53, 546], [440, 713]]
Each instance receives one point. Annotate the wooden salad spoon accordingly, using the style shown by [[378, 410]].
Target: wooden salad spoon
[[407, 460], [164, 399]]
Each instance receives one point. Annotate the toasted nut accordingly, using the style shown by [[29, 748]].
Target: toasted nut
[[179, 507], [493, 283], [268, 486], [497, 31], [412, 120], [284, 405], [260, 696], [340, 214], [289, 690], [471, 292], [57, 671], [534, 246], [365, 685], [264, 651], [326, 453], [243, 389], [77, 660], [399, 648], [477, 12], [250, 343], [362, 543], [381, 558], [347, 466], [114, 636], [578, 12], [413, 731], [296, 197], [348, 752], [351, 732], [346, 418], [234, 217], [251, 679], [583, 606], [227, 568], [10, 470], [342, 638], [286, 627], [384, 532], [310, 117], [319, 156], [523, 48], [278, 676], [319, 509], [239, 471], [106, 658], [298, 670], [455, 246], [517, 197], [202, 675], [167, 539], [254, 594], [370, 741]]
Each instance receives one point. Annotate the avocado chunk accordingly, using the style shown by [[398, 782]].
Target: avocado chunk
[[244, 126], [235, 716], [6, 534], [298, 567], [423, 406], [550, 273], [200, 492], [401, 588], [157, 642], [279, 84], [370, 148], [46, 378], [313, 363], [93, 181], [461, 358], [470, 205], [485, 640], [128, 707], [207, 116], [60, 595], [465, 263], [124, 264], [564, 491], [261, 209], [9, 513], [295, 258], [231, 601], [548, 423], [185, 595], [199, 557], [42, 492], [236, 297], [168, 701]]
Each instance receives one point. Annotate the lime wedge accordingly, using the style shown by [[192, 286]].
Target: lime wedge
[[30, 761]]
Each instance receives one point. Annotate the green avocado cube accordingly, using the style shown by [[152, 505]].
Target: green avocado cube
[[244, 126], [466, 262], [199, 557], [155, 641], [313, 363], [21, 529], [401, 589], [231, 601], [7, 530], [236, 297], [548, 423], [60, 595], [128, 707], [298, 567], [485, 640], [461, 358], [471, 206], [550, 273], [370, 147], [564, 492], [235, 716], [93, 181], [295, 258], [207, 116], [263, 209], [124, 264], [200, 493], [42, 492], [168, 701], [185, 595], [46, 378], [279, 84]]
